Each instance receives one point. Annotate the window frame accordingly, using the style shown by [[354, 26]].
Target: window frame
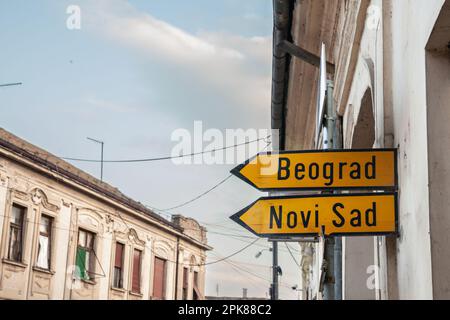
[[20, 227], [141, 257], [164, 277], [185, 284], [90, 267], [49, 236], [121, 286], [196, 294]]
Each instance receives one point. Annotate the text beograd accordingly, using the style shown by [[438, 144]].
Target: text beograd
[[329, 171]]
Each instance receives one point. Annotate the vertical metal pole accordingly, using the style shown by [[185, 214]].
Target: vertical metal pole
[[101, 170], [275, 270], [330, 277], [101, 161], [337, 144]]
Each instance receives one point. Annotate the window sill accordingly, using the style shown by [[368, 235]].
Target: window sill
[[136, 294], [37, 269], [15, 263], [121, 290], [91, 282]]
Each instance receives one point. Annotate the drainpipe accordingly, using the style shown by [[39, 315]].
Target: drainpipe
[[282, 21], [176, 268]]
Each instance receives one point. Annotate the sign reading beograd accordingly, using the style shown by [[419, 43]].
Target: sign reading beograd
[[330, 215], [320, 170], [350, 214]]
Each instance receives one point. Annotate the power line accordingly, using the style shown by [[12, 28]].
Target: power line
[[201, 195], [232, 235], [254, 284], [231, 255], [256, 275], [290, 252], [201, 264], [167, 157]]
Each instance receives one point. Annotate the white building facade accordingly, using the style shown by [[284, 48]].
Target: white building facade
[[392, 90]]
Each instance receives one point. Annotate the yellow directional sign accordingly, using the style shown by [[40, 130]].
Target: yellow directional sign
[[321, 170], [349, 215]]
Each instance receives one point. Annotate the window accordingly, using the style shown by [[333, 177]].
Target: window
[[85, 260], [16, 233], [185, 283], [159, 279], [118, 266], [136, 281], [196, 294], [44, 245]]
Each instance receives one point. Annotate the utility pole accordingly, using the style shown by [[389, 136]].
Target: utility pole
[[101, 161], [274, 270], [333, 245], [329, 285], [337, 144]]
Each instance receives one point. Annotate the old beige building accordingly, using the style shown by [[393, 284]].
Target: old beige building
[[390, 67], [67, 235]]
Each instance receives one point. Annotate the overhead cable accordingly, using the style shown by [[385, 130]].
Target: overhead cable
[[164, 158]]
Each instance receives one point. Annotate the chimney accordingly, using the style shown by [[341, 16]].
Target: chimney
[[244, 293]]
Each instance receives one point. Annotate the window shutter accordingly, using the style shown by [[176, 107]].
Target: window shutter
[[159, 278], [197, 295], [119, 255], [136, 285], [81, 263], [185, 277]]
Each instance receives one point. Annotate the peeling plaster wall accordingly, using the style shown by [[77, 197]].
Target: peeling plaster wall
[[412, 23], [438, 119], [361, 254]]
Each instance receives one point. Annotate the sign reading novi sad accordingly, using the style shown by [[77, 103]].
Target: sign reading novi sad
[[321, 170], [350, 214]]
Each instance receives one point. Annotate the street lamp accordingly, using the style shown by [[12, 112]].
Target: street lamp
[[101, 162], [295, 288], [11, 84], [276, 272]]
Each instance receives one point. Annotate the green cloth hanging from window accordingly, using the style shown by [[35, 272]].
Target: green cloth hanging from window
[[80, 271]]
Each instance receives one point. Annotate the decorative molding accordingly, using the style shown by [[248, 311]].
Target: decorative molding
[[65, 204], [109, 219], [109, 223], [163, 249], [134, 237], [87, 220], [18, 182], [3, 180], [20, 195], [120, 228], [89, 210], [38, 197]]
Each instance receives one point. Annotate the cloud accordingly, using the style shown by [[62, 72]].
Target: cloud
[[235, 67]]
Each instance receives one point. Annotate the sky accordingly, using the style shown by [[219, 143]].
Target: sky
[[135, 72]]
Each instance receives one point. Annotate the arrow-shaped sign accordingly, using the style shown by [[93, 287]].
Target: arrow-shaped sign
[[321, 170], [350, 214]]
